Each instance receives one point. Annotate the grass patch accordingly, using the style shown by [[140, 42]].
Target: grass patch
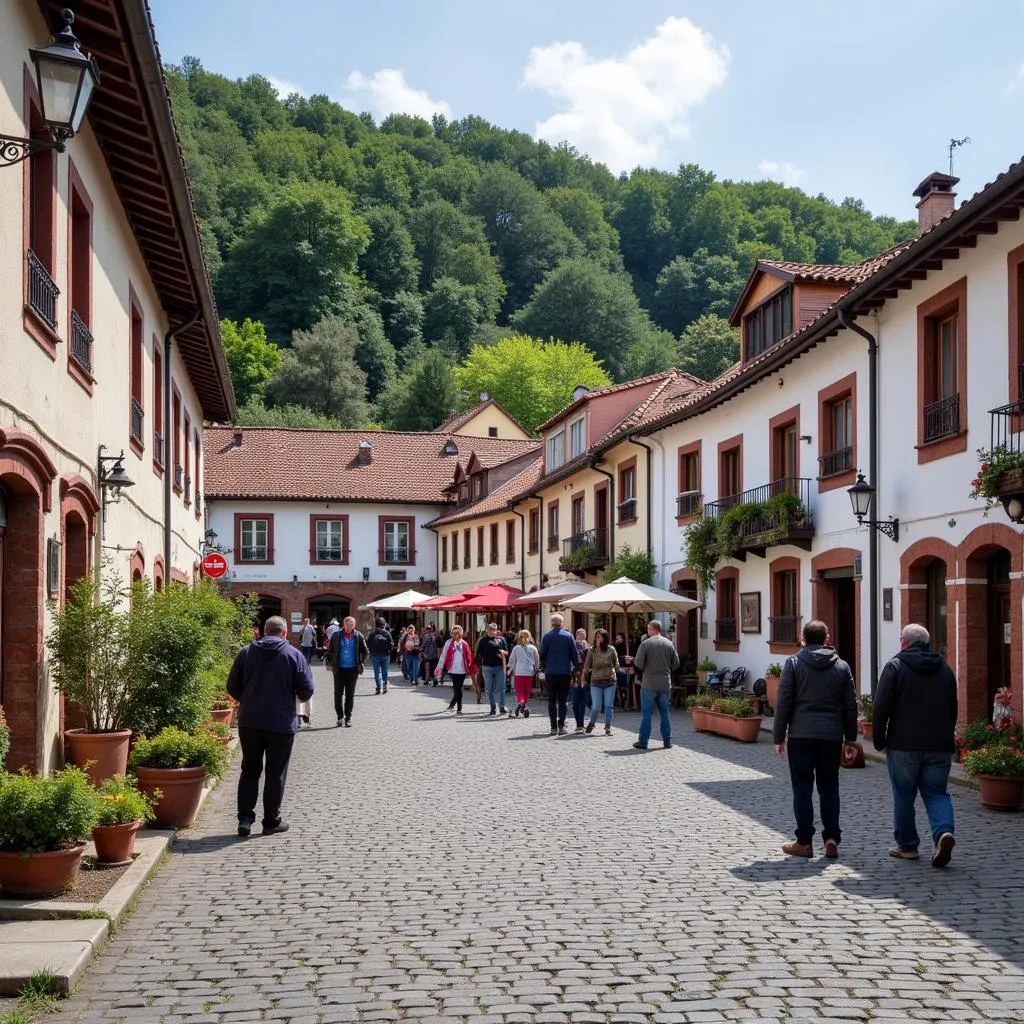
[[40, 994]]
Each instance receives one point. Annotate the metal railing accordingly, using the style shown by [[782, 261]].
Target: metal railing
[[688, 503], [627, 510], [399, 554], [330, 554], [81, 343], [799, 487], [179, 472], [725, 631], [42, 292], [138, 415], [785, 629], [595, 540], [553, 542], [158, 448], [255, 554], [1007, 421], [187, 488], [942, 418], [833, 463], [534, 547]]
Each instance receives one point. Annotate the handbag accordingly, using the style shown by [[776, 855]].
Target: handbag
[[852, 756]]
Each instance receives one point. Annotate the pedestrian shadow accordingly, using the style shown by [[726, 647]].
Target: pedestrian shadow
[[211, 843], [786, 869], [533, 736], [628, 752]]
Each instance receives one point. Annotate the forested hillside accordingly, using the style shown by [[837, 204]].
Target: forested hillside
[[378, 256]]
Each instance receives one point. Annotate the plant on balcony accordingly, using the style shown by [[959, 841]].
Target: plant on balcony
[[580, 558], [995, 463], [784, 509], [700, 552], [637, 565]]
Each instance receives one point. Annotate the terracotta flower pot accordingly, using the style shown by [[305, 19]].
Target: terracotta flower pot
[[771, 684], [700, 721], [115, 844], [746, 730], [108, 752], [1001, 792], [222, 715], [39, 873], [865, 728], [181, 789]]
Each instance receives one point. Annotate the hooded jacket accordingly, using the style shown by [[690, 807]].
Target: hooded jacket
[[816, 699], [266, 679], [915, 703]]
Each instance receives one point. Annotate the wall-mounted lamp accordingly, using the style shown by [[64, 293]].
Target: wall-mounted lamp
[[112, 481], [66, 78], [295, 582], [366, 575], [806, 438], [1014, 507], [861, 497]]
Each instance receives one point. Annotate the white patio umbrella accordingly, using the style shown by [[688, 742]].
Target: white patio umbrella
[[396, 602], [558, 593]]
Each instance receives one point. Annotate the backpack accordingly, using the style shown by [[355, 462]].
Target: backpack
[[380, 642]]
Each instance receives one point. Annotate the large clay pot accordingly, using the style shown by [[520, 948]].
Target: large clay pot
[[746, 730], [222, 715], [181, 789], [108, 752], [865, 728], [39, 873], [700, 721], [1001, 792], [771, 684], [115, 844]]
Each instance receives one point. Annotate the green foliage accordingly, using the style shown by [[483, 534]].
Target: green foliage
[[374, 354], [994, 463], [701, 699], [5, 739], [706, 665], [637, 565], [41, 813], [699, 553], [252, 359], [655, 352], [983, 733], [999, 760], [865, 706], [690, 286], [422, 397], [389, 262], [174, 748], [708, 347], [774, 669], [738, 707], [579, 559], [255, 414], [531, 380], [119, 802]]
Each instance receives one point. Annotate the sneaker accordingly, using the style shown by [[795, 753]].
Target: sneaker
[[943, 850], [519, 710], [899, 854], [385, 690], [341, 722], [526, 711], [459, 712], [563, 731], [348, 723], [831, 849], [416, 683], [502, 711], [269, 830], [579, 729], [590, 727], [798, 849], [554, 732], [607, 730], [494, 711], [244, 828], [376, 692], [667, 744], [451, 707], [639, 746]]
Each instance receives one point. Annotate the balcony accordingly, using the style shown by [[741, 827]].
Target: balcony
[[158, 448], [81, 343], [552, 543], [399, 554], [726, 632], [785, 629], [534, 546], [834, 463], [584, 552], [179, 474], [775, 513], [1007, 447], [330, 554], [942, 418], [627, 511], [42, 292], [688, 504], [138, 416]]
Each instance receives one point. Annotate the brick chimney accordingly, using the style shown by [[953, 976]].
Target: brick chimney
[[937, 200], [365, 456], [237, 437]]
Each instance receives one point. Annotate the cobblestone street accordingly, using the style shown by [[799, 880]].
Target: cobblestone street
[[476, 870]]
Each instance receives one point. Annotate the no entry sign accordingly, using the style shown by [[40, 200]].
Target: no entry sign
[[215, 565]]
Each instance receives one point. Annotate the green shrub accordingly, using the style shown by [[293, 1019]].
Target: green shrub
[[173, 748], [5, 739], [119, 802], [1002, 760], [738, 707], [41, 813], [700, 699], [706, 665], [866, 706], [774, 669]]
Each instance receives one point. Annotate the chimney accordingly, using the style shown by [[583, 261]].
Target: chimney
[[237, 437], [579, 391], [365, 456], [936, 200]]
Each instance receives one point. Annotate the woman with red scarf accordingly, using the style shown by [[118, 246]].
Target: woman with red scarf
[[457, 661]]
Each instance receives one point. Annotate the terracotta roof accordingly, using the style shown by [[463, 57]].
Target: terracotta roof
[[489, 456], [284, 464], [457, 420], [609, 390], [676, 385], [519, 486]]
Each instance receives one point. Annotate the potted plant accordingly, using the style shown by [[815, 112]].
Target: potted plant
[[45, 821], [865, 706], [704, 666], [699, 703], [89, 645], [5, 740], [177, 764], [771, 682], [736, 718], [223, 708], [1000, 774], [120, 811], [219, 731], [1000, 475]]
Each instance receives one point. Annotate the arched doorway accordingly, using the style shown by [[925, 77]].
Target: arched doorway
[[266, 607], [936, 606], [326, 607]]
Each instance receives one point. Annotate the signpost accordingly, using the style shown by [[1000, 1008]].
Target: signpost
[[215, 565]]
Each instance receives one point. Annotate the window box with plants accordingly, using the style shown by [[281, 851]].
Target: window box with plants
[[121, 810], [1000, 478], [45, 821], [1000, 774], [771, 682], [581, 560], [865, 710], [699, 703], [735, 718]]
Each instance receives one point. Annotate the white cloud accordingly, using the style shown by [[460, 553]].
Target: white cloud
[[622, 110], [786, 172], [285, 88], [387, 92], [1015, 83]]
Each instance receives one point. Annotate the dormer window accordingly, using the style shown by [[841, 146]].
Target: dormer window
[[450, 448], [556, 451], [577, 438], [768, 323], [478, 485], [464, 492]]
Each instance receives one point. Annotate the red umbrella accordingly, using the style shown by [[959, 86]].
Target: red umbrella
[[441, 602], [492, 597]]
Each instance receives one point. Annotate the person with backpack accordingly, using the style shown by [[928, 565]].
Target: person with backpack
[[457, 661], [380, 644]]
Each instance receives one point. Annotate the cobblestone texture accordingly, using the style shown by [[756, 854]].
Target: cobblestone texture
[[476, 871]]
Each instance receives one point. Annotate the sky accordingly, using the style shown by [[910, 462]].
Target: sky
[[854, 99]]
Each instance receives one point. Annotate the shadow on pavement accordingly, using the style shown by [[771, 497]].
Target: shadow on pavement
[[209, 844]]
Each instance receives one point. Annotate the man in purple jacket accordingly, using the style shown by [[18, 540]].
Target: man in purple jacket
[[266, 679]]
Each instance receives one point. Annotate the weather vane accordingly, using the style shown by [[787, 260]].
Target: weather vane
[[955, 144]]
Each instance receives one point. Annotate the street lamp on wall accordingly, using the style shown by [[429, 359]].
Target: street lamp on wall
[[861, 497], [66, 79], [113, 480]]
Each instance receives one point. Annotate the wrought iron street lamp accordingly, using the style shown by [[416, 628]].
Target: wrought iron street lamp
[[861, 497], [66, 79]]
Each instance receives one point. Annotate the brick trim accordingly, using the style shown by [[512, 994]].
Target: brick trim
[[826, 396], [137, 564], [823, 598], [25, 457], [313, 520], [77, 494], [256, 516], [789, 418], [158, 572]]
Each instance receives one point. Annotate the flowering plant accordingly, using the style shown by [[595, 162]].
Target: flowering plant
[[5, 738], [994, 463], [979, 734], [1001, 760], [119, 802], [866, 706]]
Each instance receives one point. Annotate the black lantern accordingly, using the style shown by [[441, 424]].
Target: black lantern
[[861, 497]]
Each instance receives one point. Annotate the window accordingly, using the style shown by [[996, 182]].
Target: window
[[553, 526], [578, 515], [328, 537], [467, 561], [577, 437], [187, 483], [785, 616], [556, 451], [478, 485], [769, 323], [254, 538], [510, 540], [492, 431], [730, 471], [158, 407], [40, 240], [837, 433], [455, 551], [444, 554], [942, 373], [80, 349], [785, 451], [726, 624], [534, 531], [464, 492], [196, 451], [1015, 300], [688, 503], [494, 543], [136, 360], [479, 545], [395, 536], [176, 438], [627, 492]]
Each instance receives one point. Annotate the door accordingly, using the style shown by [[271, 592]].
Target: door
[[998, 624], [601, 520], [577, 519], [845, 638], [788, 461], [267, 607], [323, 609]]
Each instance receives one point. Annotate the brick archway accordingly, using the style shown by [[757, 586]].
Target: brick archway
[[137, 565], [684, 581], [823, 595], [79, 513], [158, 572]]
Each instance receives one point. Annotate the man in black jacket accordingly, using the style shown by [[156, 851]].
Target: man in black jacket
[[817, 707], [914, 721]]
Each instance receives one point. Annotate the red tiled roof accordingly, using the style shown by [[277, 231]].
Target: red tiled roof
[[457, 420], [833, 273], [519, 486], [611, 389]]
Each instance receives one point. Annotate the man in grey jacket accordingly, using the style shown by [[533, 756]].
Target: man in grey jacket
[[656, 658], [817, 708]]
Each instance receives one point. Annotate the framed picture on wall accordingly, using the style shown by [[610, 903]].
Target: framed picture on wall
[[750, 612], [53, 568]]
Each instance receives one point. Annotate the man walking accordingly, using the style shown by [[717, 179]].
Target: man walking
[[656, 659], [558, 659], [816, 706], [306, 640], [345, 654], [380, 644], [266, 679], [914, 721], [491, 654]]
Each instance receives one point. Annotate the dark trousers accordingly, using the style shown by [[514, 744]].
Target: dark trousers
[[815, 762], [580, 699], [344, 691], [558, 698], [275, 748], [458, 680]]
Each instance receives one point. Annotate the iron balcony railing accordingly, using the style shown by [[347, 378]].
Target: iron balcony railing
[[534, 547], [688, 503], [330, 554], [260, 553], [188, 487], [42, 292], [138, 415], [799, 487], [785, 629], [1007, 421], [627, 510], [81, 343], [942, 418], [398, 555], [595, 541], [179, 473], [833, 463], [552, 542], [158, 448], [725, 631]]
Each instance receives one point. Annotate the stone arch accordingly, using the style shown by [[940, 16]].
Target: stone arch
[[22, 456], [914, 565], [137, 564], [79, 515], [158, 572]]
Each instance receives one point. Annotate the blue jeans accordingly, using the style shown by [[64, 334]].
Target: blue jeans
[[494, 680], [925, 772], [601, 694], [381, 662], [412, 666], [308, 652], [815, 762], [649, 700]]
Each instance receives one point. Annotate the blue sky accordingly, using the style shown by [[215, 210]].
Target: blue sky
[[843, 99]]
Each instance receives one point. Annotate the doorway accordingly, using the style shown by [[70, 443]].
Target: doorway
[[935, 607], [267, 607], [998, 573], [323, 609], [846, 622], [686, 627]]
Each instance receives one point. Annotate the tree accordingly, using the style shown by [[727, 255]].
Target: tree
[[708, 347], [374, 354], [252, 359], [438, 228], [403, 319], [655, 352], [637, 565], [422, 397], [474, 266], [450, 315], [255, 414], [645, 231], [530, 379], [583, 214], [320, 371], [389, 262], [692, 285], [581, 301]]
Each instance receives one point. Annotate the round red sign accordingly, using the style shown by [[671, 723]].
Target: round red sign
[[215, 565]]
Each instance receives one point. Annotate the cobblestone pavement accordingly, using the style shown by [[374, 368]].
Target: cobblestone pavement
[[475, 870]]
